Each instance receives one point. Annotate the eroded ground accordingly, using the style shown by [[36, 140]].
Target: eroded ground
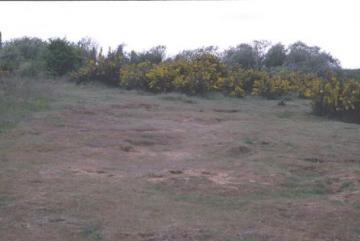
[[104, 164]]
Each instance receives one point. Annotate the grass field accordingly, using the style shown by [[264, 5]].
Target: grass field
[[94, 163]]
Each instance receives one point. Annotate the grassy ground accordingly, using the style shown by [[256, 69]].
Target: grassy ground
[[20, 97], [106, 164]]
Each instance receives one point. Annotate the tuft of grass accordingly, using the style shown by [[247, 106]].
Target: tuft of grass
[[302, 188], [6, 125], [356, 205], [216, 201], [4, 201], [92, 232], [347, 185], [249, 141], [41, 104], [285, 115]]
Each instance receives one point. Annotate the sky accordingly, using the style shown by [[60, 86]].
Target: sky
[[329, 24]]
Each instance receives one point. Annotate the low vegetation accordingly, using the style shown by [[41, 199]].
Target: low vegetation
[[21, 96], [108, 164]]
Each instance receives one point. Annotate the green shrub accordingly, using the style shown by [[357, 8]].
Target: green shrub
[[62, 57], [23, 56], [105, 69]]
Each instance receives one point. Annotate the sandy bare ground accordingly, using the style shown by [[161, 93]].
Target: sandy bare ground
[[105, 164]]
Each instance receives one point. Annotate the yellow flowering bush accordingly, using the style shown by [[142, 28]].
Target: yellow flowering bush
[[231, 84], [161, 77], [133, 76], [272, 87], [85, 73], [338, 98]]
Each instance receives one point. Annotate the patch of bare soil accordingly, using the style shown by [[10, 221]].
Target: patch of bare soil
[[226, 110], [170, 234], [216, 177], [135, 106], [239, 150]]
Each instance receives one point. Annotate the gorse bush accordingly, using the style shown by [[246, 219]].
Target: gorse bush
[[272, 87], [160, 78], [202, 75], [133, 76], [232, 83], [338, 98]]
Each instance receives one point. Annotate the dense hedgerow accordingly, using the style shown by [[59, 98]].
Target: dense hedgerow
[[247, 69]]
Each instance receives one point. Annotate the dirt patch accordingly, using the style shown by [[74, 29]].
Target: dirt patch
[[169, 234], [226, 110], [354, 161], [224, 179], [88, 171], [136, 106], [314, 160], [150, 139], [215, 177], [182, 99], [238, 150]]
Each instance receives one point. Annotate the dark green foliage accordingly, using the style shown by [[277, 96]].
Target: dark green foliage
[[108, 68], [351, 73], [89, 49], [24, 56], [155, 55], [105, 69], [310, 59], [275, 56], [191, 54], [62, 57], [243, 55]]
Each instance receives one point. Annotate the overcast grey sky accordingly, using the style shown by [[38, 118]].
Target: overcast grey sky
[[331, 24]]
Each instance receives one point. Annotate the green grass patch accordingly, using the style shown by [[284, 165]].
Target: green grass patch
[[13, 111], [6, 125], [92, 232], [347, 185], [302, 188], [249, 141], [4, 201], [356, 205], [20, 97], [285, 115], [216, 201], [211, 199]]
